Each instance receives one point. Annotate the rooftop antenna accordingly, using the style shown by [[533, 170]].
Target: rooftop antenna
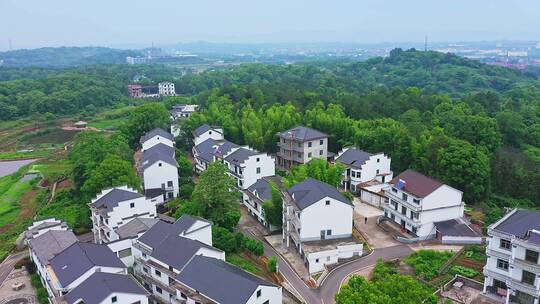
[[425, 45]]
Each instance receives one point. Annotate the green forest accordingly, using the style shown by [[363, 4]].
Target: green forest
[[473, 126]]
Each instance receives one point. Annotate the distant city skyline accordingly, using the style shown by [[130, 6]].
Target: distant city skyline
[[121, 23]]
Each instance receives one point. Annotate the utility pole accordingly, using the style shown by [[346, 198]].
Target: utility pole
[[425, 44]]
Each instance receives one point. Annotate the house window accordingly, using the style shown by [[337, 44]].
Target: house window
[[502, 264], [258, 170], [327, 203], [328, 259], [377, 172], [394, 190], [157, 272], [258, 159], [404, 196], [159, 164], [144, 255], [416, 201], [145, 269], [321, 142], [528, 277], [169, 184], [183, 296], [132, 205], [258, 293], [316, 260], [299, 145], [209, 132], [321, 152], [499, 284], [329, 232], [378, 160], [309, 154], [309, 144], [114, 299], [353, 173], [403, 210], [505, 244], [531, 256], [158, 289]]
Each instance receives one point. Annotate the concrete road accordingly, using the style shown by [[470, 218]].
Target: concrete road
[[8, 264], [330, 286]]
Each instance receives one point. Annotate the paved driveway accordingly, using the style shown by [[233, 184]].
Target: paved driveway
[[376, 237]]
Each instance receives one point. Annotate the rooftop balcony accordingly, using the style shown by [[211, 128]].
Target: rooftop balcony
[[410, 205]]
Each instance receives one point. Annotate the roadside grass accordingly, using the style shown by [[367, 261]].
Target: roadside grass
[[243, 263], [106, 124], [25, 155]]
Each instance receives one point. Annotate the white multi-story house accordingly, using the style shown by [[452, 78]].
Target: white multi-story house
[[179, 265], [166, 88], [299, 145], [209, 150], [40, 227], [180, 112], [255, 196], [247, 166], [159, 171], [71, 267], [156, 136], [44, 247], [72, 272], [512, 268], [105, 288], [417, 202], [205, 132], [362, 167], [318, 222], [115, 207]]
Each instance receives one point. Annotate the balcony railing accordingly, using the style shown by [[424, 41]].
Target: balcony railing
[[413, 206], [526, 265], [503, 254], [523, 287], [291, 147]]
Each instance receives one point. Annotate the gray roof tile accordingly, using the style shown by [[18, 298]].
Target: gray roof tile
[[50, 243], [520, 222], [240, 156], [219, 280], [303, 134], [101, 285], [135, 226], [115, 196], [78, 258], [354, 157], [157, 132], [262, 188], [311, 191]]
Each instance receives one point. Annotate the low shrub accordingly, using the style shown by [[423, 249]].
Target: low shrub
[[426, 263], [272, 264], [464, 271]]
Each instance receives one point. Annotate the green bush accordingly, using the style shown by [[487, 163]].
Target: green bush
[[464, 271], [253, 246], [272, 264], [233, 242], [41, 292], [426, 263]]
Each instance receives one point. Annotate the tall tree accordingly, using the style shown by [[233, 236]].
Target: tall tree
[[143, 119], [113, 171], [273, 209]]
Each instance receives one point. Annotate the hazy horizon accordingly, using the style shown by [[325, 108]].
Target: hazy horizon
[[122, 24]]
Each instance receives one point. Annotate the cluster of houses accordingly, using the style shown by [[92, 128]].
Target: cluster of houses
[[165, 88], [172, 261]]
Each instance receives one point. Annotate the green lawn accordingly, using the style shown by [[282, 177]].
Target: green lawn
[[10, 201], [243, 263], [53, 169], [23, 155]]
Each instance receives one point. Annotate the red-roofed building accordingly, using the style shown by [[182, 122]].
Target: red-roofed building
[[417, 203]]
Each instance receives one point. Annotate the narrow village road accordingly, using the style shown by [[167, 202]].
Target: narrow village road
[[330, 286], [9, 263]]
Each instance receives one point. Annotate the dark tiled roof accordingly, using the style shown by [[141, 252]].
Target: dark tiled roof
[[200, 130], [159, 148], [116, 195], [455, 228], [354, 157], [151, 158], [165, 242], [153, 192], [226, 146], [206, 149], [262, 188], [101, 285], [520, 222], [239, 156], [219, 280], [417, 184], [78, 258], [186, 221], [135, 226], [50, 243], [303, 133], [44, 225], [157, 132], [311, 191]]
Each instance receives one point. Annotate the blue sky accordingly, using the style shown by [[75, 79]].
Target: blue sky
[[36, 23]]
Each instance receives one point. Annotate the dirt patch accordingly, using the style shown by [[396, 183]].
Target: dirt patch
[[28, 208], [57, 136], [65, 184]]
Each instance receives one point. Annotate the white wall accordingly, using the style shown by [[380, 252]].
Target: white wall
[[157, 139], [203, 235], [444, 196], [266, 163], [155, 175], [122, 245], [215, 134], [318, 260], [91, 271], [337, 216], [369, 169], [268, 293], [315, 149], [123, 213], [126, 298]]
